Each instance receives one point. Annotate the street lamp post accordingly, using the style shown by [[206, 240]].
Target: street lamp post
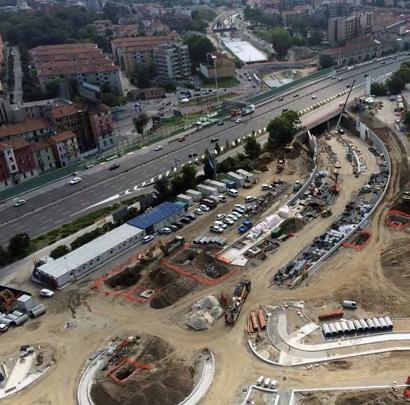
[[216, 79]]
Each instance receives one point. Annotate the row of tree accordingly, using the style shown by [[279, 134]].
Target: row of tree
[[395, 84]]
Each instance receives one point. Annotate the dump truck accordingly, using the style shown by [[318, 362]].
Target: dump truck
[[240, 294]]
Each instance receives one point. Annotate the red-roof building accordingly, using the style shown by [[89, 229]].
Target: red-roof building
[[83, 62], [65, 148]]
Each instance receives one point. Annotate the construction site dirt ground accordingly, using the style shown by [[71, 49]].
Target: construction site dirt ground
[[80, 320]]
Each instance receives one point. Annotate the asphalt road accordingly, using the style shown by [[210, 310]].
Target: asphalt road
[[59, 203]]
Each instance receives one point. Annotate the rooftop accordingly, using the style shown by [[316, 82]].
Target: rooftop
[[61, 49], [157, 214], [62, 136], [136, 42], [16, 144], [89, 251], [364, 42], [64, 110], [74, 67], [36, 146], [23, 127]]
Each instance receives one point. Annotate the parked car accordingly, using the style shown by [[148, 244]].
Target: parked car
[[3, 327], [220, 224], [204, 208], [228, 221], [222, 198], [191, 216], [19, 202], [220, 216], [75, 180], [198, 211], [249, 199], [185, 220], [165, 231], [114, 166], [173, 227], [216, 229], [46, 293], [148, 238]]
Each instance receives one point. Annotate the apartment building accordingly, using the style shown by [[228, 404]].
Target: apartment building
[[172, 61], [43, 156], [81, 62], [65, 148], [127, 52], [101, 126], [341, 29], [17, 163]]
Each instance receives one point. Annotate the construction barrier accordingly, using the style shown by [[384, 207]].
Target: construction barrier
[[396, 224], [359, 246]]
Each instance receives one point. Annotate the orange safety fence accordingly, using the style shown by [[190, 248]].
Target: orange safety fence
[[359, 246], [126, 360], [199, 279], [395, 224]]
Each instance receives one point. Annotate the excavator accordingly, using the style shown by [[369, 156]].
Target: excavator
[[151, 253]]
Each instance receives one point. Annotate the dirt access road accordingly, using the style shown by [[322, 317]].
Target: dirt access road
[[94, 318]]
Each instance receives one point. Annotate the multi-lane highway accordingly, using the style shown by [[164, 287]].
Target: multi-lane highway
[[59, 203]]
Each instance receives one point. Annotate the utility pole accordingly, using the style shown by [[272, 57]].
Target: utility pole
[[344, 106], [216, 79]]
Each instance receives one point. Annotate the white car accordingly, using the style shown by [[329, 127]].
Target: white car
[[165, 231], [238, 120], [232, 217], [204, 208], [216, 229], [46, 293], [19, 202], [157, 148], [148, 238], [220, 224], [236, 214], [220, 216], [75, 180], [198, 211], [3, 327], [228, 221], [314, 97]]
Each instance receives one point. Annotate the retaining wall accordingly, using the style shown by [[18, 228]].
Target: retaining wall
[[367, 135]]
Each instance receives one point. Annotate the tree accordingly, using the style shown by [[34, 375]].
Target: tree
[[59, 251], [140, 122], [199, 46], [163, 188], [378, 89], [252, 148], [19, 245], [189, 176], [209, 165], [326, 61], [177, 185], [168, 85], [142, 75], [282, 129], [281, 40], [407, 118], [4, 256], [217, 148]]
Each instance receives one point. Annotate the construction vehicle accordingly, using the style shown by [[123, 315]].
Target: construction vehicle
[[240, 294], [161, 248], [235, 113], [335, 188], [280, 165], [326, 213]]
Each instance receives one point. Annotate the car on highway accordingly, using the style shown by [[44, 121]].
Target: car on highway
[[314, 97], [280, 99], [19, 202], [198, 211], [147, 238], [333, 77], [347, 86], [340, 79], [238, 120], [220, 123], [157, 148], [295, 95], [213, 140], [114, 166], [165, 231], [182, 139], [46, 293], [284, 109], [75, 180]]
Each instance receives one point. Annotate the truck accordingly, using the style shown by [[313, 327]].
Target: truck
[[248, 110], [246, 225], [241, 292]]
